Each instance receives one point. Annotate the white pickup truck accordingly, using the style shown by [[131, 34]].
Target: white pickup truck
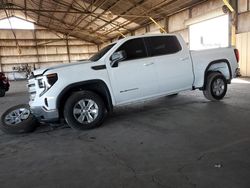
[[132, 69]]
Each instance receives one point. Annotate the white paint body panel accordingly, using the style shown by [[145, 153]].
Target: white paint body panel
[[201, 60], [132, 80], [174, 71]]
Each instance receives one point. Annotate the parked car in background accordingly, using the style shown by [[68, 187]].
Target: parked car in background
[[4, 84]]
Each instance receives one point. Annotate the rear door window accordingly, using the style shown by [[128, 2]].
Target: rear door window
[[163, 45]]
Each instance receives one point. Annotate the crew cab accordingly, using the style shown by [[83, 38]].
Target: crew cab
[[132, 69]]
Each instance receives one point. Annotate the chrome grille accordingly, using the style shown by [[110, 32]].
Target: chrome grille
[[32, 89]]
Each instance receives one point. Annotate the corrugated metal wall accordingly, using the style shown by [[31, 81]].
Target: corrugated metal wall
[[243, 44], [243, 36], [177, 23], [39, 48]]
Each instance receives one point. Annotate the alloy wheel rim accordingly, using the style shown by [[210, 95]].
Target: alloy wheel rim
[[218, 87], [17, 116], [85, 111]]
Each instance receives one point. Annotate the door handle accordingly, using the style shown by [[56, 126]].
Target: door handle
[[184, 58], [148, 64]]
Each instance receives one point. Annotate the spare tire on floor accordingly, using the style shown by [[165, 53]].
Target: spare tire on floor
[[18, 119]]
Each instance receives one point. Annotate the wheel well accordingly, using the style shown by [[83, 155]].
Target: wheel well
[[96, 86], [206, 77], [218, 69]]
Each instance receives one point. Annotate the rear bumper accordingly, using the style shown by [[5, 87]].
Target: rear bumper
[[237, 72], [44, 115]]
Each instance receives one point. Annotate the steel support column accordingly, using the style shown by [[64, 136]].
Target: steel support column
[[68, 51]]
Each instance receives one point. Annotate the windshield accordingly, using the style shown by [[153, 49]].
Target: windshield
[[101, 53]]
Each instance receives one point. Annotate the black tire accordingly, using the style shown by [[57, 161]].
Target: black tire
[[76, 110], [216, 87], [27, 124], [2, 92], [173, 95], [7, 88]]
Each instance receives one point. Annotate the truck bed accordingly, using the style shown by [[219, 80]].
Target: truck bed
[[203, 58]]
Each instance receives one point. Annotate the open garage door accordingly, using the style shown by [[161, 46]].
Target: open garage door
[[212, 33]]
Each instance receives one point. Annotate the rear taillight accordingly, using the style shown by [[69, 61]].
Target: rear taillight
[[237, 55]]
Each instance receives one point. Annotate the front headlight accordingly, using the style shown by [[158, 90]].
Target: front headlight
[[52, 78], [47, 82]]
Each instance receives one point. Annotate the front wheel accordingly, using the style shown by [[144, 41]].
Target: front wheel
[[84, 110], [216, 87]]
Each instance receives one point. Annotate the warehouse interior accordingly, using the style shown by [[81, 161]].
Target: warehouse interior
[[65, 31], [175, 141]]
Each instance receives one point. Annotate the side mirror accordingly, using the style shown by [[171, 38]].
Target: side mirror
[[117, 57]]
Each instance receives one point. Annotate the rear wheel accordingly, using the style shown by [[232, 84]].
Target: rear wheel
[[216, 87], [84, 110], [18, 119]]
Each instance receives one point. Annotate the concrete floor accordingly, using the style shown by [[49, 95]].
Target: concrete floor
[[172, 142]]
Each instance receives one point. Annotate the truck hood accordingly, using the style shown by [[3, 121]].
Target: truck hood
[[42, 71]]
